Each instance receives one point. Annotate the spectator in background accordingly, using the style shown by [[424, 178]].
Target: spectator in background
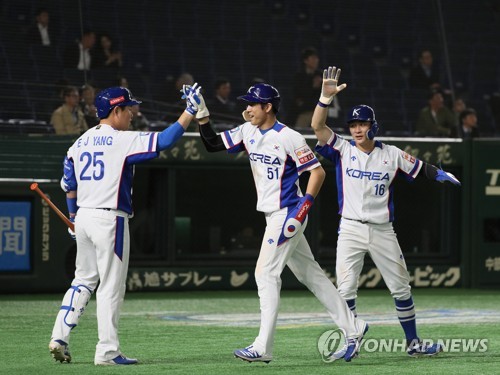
[[222, 107], [458, 107], [307, 85], [40, 33], [106, 55], [424, 75], [79, 55], [69, 118], [435, 120], [139, 121], [122, 82], [87, 95], [176, 106], [468, 125]]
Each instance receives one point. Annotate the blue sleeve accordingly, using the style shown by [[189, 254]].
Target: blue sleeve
[[328, 153], [169, 136], [68, 182]]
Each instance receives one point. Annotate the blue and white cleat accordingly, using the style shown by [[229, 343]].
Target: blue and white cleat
[[249, 354], [118, 360], [59, 350], [420, 349], [354, 345]]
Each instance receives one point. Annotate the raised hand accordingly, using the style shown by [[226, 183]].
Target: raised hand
[[330, 86], [191, 94]]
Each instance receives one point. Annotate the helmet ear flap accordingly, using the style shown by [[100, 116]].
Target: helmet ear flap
[[373, 130]]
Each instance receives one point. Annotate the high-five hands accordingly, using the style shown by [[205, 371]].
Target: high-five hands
[[330, 86], [195, 104]]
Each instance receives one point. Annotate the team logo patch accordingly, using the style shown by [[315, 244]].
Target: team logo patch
[[408, 157], [276, 147], [304, 154], [117, 100]]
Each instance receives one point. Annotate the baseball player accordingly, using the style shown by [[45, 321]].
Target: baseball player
[[278, 155], [365, 171], [98, 174]]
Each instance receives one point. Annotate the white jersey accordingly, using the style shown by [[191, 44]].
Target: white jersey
[[365, 181], [277, 157], [103, 160]]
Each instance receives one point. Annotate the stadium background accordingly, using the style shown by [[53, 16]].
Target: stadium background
[[195, 225]]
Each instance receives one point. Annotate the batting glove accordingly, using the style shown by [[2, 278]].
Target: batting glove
[[191, 94], [443, 176], [202, 108], [71, 233], [330, 88], [295, 218]]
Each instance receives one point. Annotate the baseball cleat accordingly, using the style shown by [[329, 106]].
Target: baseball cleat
[[59, 350], [118, 360], [354, 345], [249, 354], [419, 349]]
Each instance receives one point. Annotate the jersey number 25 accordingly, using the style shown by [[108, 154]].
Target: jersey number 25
[[92, 160]]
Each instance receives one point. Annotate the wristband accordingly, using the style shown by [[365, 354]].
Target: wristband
[[322, 105], [325, 100], [72, 207]]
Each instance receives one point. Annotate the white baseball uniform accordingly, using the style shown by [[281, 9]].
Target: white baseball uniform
[[101, 164], [277, 158], [365, 195]]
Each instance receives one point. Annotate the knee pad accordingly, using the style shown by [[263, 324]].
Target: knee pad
[[75, 300]]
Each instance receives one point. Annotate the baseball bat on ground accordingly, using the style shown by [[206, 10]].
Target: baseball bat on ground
[[34, 186]]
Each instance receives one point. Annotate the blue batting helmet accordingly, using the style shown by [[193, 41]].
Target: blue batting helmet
[[113, 97], [262, 93], [364, 112]]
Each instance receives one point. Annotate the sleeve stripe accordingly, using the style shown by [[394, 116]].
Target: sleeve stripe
[[229, 141], [307, 165], [152, 142]]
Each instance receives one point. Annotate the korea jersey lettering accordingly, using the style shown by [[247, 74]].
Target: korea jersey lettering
[[100, 166], [367, 179], [277, 158]]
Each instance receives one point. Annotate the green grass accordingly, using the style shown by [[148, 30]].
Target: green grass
[[180, 347]]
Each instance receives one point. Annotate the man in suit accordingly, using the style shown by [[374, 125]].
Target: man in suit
[[78, 55], [41, 33], [467, 127]]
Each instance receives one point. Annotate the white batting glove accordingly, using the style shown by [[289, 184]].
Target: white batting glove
[[330, 88], [202, 108]]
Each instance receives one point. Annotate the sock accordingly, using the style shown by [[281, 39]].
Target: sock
[[352, 306], [406, 315]]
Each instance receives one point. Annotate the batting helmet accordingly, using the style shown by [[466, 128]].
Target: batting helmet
[[364, 112], [262, 93], [113, 97]]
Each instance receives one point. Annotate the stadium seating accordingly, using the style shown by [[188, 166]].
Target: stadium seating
[[240, 41]]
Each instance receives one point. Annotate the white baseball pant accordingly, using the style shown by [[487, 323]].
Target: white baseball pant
[[297, 255], [103, 248], [380, 241]]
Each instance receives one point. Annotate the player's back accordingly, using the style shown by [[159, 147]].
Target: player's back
[[104, 161]]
